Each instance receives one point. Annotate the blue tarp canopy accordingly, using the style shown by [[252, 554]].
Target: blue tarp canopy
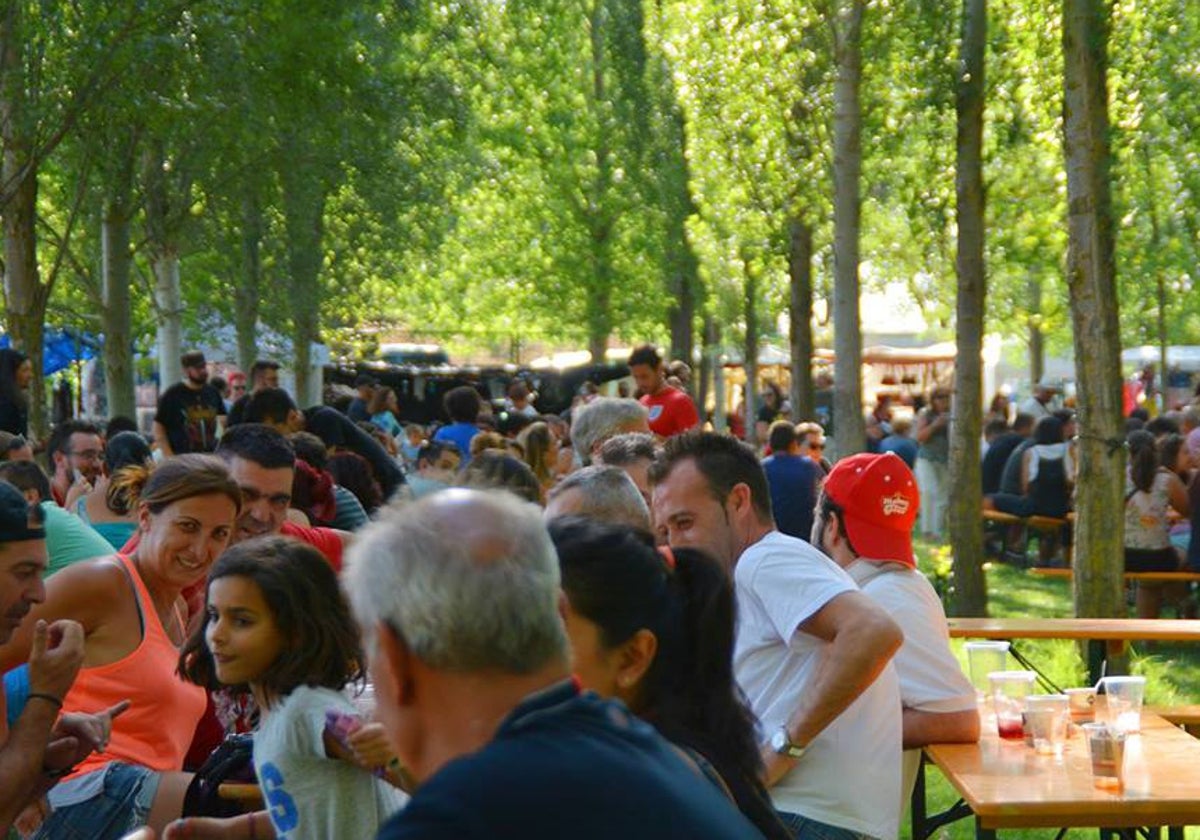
[[63, 347]]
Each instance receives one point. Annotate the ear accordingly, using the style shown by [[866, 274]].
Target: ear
[[32, 496], [635, 658], [394, 666], [143, 515], [562, 605], [740, 497]]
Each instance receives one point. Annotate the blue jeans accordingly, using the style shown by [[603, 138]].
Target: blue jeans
[[121, 806], [803, 828]]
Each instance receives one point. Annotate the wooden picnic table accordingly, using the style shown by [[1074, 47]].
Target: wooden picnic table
[[1105, 636], [1005, 784]]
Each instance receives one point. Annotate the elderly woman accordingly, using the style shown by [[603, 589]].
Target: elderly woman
[[132, 613]]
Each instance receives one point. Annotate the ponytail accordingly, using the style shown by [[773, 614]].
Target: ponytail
[[125, 488], [1143, 459]]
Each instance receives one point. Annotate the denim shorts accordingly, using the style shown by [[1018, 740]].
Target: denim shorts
[[120, 806], [803, 828]]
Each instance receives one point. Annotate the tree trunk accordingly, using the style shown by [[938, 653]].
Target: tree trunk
[[750, 365], [246, 291], [168, 308], [848, 428], [115, 305], [800, 312], [1091, 278], [710, 361], [966, 494], [304, 210], [1037, 340]]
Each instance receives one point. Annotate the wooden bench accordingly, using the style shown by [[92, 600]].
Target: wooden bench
[[1042, 525], [1186, 717], [1148, 577]]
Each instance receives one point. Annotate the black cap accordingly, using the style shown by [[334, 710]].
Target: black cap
[[365, 379], [193, 358], [15, 517]]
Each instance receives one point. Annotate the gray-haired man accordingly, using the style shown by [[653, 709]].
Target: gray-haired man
[[458, 595]]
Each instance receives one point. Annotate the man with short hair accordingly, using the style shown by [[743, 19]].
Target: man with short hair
[[76, 453], [793, 480], [900, 443], [812, 652], [68, 538], [437, 465], [864, 522], [605, 417], [263, 462], [364, 386], [671, 410], [458, 598], [463, 405], [1038, 404], [190, 413], [1001, 449], [599, 492], [633, 452], [41, 746], [264, 373]]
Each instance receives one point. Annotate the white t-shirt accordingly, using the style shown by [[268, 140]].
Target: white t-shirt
[[850, 776], [931, 680], [307, 794]]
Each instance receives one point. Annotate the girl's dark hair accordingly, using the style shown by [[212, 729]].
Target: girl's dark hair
[[308, 608], [1168, 451], [353, 471], [492, 468], [10, 362], [379, 400], [616, 579], [125, 449], [1048, 430], [1143, 459]]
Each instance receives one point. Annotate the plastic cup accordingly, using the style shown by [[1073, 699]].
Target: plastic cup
[[1107, 748], [1009, 690], [1045, 722], [1082, 702], [1123, 706], [982, 659]]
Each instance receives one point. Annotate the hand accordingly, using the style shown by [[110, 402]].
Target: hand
[[775, 766], [55, 657], [198, 828], [91, 731], [370, 746], [78, 489]]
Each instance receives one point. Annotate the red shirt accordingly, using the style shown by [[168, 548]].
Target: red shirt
[[325, 540], [671, 412]]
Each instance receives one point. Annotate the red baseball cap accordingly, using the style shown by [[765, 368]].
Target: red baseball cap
[[879, 500]]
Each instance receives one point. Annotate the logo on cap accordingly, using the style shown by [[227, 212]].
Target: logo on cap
[[896, 504]]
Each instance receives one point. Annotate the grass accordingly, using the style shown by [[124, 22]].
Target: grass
[[1172, 671]]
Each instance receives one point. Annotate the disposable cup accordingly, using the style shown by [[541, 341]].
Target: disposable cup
[[1082, 702], [1107, 749], [982, 659], [1123, 706], [1009, 690], [1045, 721]]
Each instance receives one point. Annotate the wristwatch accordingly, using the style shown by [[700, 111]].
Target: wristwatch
[[782, 743]]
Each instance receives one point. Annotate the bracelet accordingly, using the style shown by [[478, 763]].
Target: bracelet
[[253, 828], [49, 698]]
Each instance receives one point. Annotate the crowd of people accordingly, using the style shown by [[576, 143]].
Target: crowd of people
[[511, 625]]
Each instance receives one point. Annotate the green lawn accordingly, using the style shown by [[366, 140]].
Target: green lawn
[[1172, 671]]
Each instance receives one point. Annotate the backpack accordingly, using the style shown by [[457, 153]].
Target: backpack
[[231, 761]]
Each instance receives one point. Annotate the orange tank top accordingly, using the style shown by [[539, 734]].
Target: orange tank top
[[157, 728]]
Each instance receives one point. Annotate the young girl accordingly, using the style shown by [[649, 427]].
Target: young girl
[[278, 625]]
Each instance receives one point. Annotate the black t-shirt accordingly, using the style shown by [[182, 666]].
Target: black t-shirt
[[564, 764], [995, 458], [14, 417], [190, 417], [237, 411]]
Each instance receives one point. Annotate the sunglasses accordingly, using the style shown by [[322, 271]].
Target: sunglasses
[[820, 447]]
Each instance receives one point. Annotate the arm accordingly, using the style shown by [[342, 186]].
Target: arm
[[1177, 495], [927, 425], [164, 442], [862, 640], [922, 728]]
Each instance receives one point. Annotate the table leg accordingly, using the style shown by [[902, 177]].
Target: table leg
[[982, 833], [917, 804]]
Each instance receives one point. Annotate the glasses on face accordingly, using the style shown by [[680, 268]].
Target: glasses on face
[[817, 447], [277, 501], [88, 454]]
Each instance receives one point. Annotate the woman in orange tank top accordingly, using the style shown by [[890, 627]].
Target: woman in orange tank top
[[134, 621]]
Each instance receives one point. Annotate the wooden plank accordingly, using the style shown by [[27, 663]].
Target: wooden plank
[[1117, 629], [1161, 577]]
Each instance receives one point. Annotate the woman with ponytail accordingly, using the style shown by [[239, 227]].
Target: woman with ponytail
[[111, 507], [655, 629]]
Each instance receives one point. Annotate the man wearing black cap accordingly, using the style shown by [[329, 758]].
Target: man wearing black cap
[[41, 746], [365, 384], [190, 413]]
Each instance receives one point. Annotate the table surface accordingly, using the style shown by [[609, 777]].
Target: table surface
[[1145, 629], [1007, 785]]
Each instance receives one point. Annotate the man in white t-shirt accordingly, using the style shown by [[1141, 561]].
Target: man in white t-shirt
[[864, 522], [812, 652]]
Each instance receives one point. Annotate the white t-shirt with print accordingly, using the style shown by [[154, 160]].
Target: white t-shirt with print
[[931, 680], [309, 795], [850, 775]]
